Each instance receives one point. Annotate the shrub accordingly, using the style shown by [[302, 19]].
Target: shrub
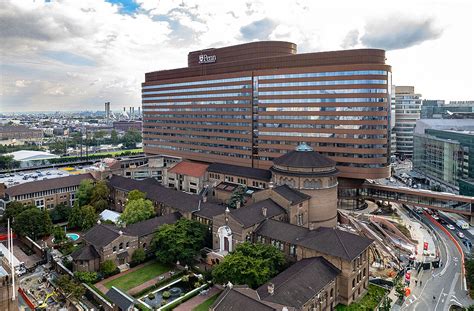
[[86, 277], [185, 278], [151, 296], [166, 294], [108, 268], [197, 284], [138, 256]]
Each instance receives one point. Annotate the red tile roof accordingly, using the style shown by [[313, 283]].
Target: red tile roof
[[193, 169]]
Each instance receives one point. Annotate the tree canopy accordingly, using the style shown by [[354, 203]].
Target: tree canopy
[[33, 222], [135, 195], [250, 264], [100, 196], [8, 162], [83, 217], [137, 210], [131, 138], [237, 197], [84, 192], [70, 287], [180, 241], [60, 213], [15, 208]]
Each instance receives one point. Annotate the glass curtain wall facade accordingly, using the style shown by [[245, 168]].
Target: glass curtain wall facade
[[444, 157], [407, 111], [249, 111]]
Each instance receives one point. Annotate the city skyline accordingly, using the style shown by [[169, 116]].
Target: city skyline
[[67, 55]]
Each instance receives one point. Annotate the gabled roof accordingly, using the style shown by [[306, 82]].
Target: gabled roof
[[87, 252], [47, 184], [193, 169], [281, 231], [299, 283], [335, 242], [210, 210], [249, 172], [328, 241], [290, 194], [102, 234], [120, 299], [151, 225], [240, 298], [253, 213], [181, 201]]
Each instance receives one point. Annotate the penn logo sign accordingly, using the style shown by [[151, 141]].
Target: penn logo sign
[[207, 59]]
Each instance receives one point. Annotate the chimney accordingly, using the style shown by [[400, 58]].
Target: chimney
[[264, 211], [271, 288]]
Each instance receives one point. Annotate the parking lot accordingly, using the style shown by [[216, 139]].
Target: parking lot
[[12, 179]]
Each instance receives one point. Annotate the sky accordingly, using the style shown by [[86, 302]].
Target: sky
[[75, 55]]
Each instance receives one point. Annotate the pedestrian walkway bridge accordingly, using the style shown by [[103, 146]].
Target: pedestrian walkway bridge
[[443, 201]]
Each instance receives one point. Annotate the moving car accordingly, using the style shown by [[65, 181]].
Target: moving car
[[460, 234], [450, 227]]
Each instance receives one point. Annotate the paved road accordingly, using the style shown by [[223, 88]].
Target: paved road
[[441, 287]]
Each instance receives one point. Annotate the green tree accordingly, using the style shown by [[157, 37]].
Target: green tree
[[59, 235], [131, 138], [180, 241], [86, 277], [135, 195], [15, 208], [250, 264], [108, 267], [138, 255], [400, 290], [237, 197], [58, 146], [84, 192], [70, 287], [60, 213], [83, 217], [114, 137], [33, 223], [100, 196], [8, 162], [137, 210]]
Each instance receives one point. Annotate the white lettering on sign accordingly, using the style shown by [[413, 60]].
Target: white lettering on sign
[[206, 59]]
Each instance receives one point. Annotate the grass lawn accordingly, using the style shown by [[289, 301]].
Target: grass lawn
[[368, 302], [206, 304], [140, 276]]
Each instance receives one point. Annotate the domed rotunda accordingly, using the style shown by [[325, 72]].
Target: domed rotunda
[[313, 174]]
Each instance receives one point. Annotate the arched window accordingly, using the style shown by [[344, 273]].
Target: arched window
[[121, 246], [331, 294], [127, 245], [144, 245], [114, 249], [353, 283]]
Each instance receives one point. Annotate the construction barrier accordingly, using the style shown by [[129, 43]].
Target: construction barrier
[[456, 243], [26, 299]]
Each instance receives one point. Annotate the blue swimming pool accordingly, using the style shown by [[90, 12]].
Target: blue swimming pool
[[73, 236]]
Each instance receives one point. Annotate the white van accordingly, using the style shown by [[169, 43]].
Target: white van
[[462, 224]]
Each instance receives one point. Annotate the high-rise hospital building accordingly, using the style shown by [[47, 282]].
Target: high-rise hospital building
[[248, 104]]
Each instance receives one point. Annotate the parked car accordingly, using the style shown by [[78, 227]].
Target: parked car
[[461, 235], [450, 227]]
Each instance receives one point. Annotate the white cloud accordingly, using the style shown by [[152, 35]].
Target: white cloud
[[69, 54]]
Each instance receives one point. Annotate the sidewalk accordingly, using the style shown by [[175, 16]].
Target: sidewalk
[[197, 300]]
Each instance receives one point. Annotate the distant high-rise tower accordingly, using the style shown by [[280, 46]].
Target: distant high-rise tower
[[407, 111], [107, 111]]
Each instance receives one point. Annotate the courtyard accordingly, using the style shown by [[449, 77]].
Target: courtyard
[[139, 276]]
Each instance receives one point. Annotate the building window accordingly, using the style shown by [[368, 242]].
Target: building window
[[144, 245], [121, 246], [292, 250], [331, 293], [114, 249], [353, 283], [127, 245]]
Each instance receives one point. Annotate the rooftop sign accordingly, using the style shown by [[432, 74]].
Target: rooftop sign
[[207, 59]]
